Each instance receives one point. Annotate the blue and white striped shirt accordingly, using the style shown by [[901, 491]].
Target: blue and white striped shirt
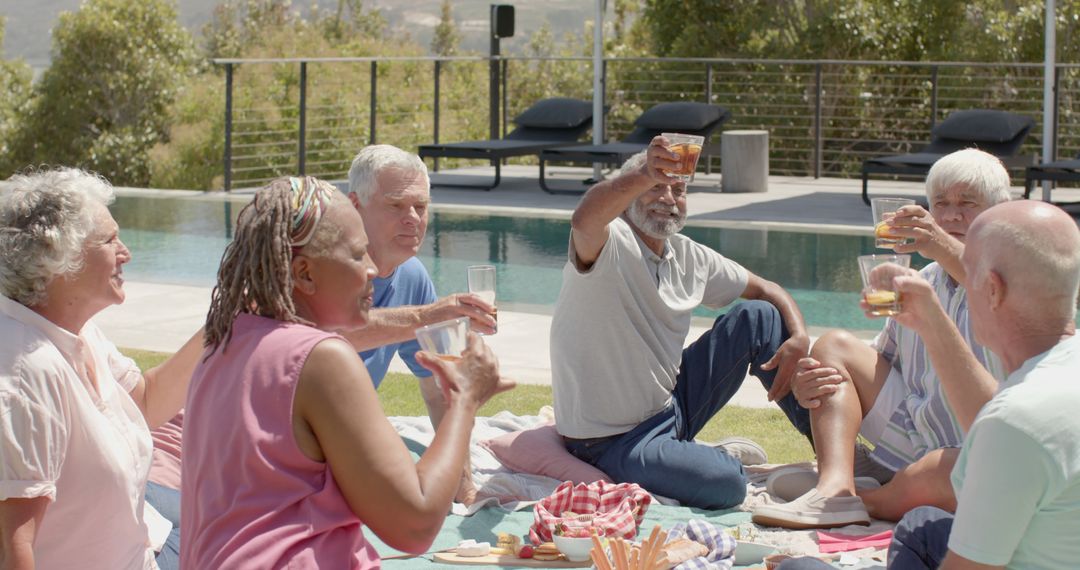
[[924, 421]]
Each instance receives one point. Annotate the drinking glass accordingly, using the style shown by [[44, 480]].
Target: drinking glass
[[446, 339], [884, 210], [688, 147], [878, 288], [482, 284]]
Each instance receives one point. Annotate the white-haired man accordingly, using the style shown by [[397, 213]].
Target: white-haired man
[[889, 392], [628, 398], [391, 190]]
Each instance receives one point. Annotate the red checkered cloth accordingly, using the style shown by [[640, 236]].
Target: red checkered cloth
[[612, 509]]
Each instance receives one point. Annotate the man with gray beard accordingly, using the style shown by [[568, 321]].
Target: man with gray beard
[[628, 398]]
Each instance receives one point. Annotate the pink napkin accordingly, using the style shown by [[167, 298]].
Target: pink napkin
[[829, 542]]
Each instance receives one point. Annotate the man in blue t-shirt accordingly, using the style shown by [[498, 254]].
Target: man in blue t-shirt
[[391, 190]]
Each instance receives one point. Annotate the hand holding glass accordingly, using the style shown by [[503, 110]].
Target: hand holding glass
[[482, 284], [688, 147], [884, 210], [878, 288]]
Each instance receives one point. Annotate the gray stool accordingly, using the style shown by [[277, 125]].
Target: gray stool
[[744, 161]]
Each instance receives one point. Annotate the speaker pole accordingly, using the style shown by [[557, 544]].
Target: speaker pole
[[493, 75]]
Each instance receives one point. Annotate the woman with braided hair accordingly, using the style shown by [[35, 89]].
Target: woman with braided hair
[[287, 452]]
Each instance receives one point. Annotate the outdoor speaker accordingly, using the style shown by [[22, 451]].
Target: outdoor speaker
[[502, 20]]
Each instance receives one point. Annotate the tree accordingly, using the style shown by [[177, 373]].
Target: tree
[[101, 105], [447, 37], [15, 79]]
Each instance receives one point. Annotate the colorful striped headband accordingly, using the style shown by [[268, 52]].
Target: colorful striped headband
[[310, 199]]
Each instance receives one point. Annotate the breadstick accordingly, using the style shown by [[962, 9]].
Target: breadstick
[[656, 546], [598, 548], [647, 547], [620, 554], [599, 559]]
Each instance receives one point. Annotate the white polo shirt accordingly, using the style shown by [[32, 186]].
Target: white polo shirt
[[619, 327], [87, 450]]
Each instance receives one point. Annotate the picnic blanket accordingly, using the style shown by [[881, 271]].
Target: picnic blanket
[[506, 499]]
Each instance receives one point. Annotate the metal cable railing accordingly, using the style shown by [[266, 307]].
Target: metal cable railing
[[288, 116]]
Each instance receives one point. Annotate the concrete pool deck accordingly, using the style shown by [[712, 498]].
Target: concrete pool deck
[[161, 317]]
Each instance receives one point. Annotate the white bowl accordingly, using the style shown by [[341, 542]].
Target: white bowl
[[747, 553], [574, 549]]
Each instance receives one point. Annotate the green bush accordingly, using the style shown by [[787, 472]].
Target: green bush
[[101, 105]]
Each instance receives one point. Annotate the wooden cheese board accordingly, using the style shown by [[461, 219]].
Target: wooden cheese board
[[507, 560]]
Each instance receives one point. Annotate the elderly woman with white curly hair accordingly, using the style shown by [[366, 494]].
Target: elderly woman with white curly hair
[[75, 414]]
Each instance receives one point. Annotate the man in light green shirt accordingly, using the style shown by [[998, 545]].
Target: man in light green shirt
[[1017, 479]]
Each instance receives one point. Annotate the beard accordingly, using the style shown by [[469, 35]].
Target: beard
[[660, 226]]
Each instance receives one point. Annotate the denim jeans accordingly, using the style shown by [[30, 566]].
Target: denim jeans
[[167, 502], [921, 540], [659, 454]]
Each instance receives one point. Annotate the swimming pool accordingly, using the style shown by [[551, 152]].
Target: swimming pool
[[180, 241]]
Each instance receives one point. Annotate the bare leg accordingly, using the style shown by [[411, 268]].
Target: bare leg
[[923, 483], [837, 420]]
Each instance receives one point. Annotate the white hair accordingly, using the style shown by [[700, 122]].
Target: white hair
[[633, 163], [45, 218], [980, 171], [372, 159], [1044, 269]]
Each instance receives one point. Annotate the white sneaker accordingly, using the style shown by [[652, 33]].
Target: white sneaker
[[743, 449], [790, 483], [813, 510]]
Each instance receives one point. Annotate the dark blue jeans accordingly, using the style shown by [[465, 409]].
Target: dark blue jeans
[[167, 502], [659, 454], [921, 539]]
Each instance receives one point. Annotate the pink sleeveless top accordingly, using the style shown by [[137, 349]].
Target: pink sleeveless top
[[250, 497]]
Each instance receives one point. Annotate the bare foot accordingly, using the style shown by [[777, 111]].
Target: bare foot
[[466, 493]]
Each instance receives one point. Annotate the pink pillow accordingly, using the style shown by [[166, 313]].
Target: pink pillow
[[540, 451], [168, 440]]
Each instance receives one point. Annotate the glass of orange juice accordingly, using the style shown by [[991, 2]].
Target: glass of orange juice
[[688, 147], [884, 210], [877, 280]]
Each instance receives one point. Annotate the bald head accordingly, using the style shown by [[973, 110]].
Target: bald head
[[1035, 249]]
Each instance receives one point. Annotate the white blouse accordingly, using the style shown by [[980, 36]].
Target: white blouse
[[88, 450]]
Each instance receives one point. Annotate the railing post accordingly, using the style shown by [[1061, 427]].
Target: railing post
[[504, 97], [493, 91], [933, 96], [302, 146], [438, 73], [708, 100], [374, 99], [1057, 113], [819, 147], [228, 125], [603, 99]]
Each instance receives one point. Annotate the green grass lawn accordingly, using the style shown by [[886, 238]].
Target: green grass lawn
[[769, 427]]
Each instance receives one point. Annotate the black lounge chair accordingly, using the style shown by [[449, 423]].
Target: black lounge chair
[[1056, 171], [996, 132], [548, 123], [678, 117]]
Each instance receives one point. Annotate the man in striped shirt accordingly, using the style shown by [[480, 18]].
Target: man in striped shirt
[[888, 392]]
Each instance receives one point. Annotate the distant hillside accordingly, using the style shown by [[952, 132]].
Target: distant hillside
[[29, 21]]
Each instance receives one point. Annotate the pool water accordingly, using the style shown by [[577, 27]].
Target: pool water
[[180, 241]]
